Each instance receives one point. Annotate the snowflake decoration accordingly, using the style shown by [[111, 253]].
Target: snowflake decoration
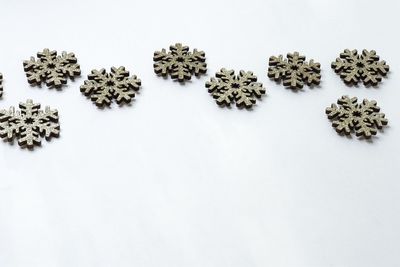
[[102, 87], [228, 87], [349, 116], [51, 68], [1, 85], [294, 70], [179, 63], [29, 124], [366, 67]]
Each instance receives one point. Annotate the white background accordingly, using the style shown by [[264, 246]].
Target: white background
[[175, 181]]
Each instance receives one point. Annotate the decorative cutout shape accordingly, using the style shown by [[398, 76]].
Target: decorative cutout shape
[[179, 62], [29, 124], [366, 67], [294, 70], [227, 88], [52, 69], [103, 87], [364, 119]]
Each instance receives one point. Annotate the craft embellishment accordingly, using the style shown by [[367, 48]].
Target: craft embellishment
[[365, 67], [294, 70], [348, 116], [103, 87], [29, 124], [179, 62], [227, 88], [52, 69], [1, 84]]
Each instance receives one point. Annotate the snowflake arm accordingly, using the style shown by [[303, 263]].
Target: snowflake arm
[[293, 80], [219, 88], [69, 65], [311, 73], [341, 116], [245, 98], [125, 87], [251, 89], [162, 62], [33, 71], [49, 126], [9, 121], [180, 71], [277, 67], [220, 92], [197, 62]]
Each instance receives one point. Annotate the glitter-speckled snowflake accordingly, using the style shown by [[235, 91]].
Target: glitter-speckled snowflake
[[50, 68], [365, 67], [103, 87], [348, 116], [29, 124], [179, 62], [294, 70], [228, 87]]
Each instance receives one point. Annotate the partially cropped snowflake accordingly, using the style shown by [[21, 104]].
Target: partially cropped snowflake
[[294, 70], [103, 87], [51, 68], [1, 85], [29, 124], [179, 62], [366, 67], [364, 119], [228, 87]]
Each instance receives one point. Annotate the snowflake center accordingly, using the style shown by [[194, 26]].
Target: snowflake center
[[235, 85], [51, 65], [360, 64], [110, 83], [180, 59], [29, 120], [294, 67], [356, 113]]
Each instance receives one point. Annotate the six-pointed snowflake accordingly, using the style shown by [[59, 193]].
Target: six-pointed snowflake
[[102, 87], [1, 84], [29, 124], [51, 68], [349, 116], [366, 67], [294, 70], [179, 62], [228, 87]]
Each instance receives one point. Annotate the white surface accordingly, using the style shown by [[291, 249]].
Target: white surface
[[176, 181]]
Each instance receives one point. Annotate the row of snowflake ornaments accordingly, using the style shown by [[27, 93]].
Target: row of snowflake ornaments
[[31, 123]]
